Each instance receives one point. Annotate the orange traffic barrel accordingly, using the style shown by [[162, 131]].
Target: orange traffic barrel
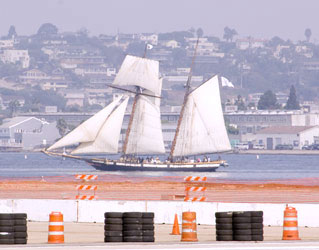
[[189, 228], [290, 230], [56, 228]]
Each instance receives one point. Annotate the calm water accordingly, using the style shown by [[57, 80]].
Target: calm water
[[241, 167]]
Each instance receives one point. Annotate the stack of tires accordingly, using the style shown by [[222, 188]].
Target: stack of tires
[[113, 227], [13, 228], [148, 227], [20, 228], [242, 226], [6, 229], [224, 226], [257, 227], [132, 227]]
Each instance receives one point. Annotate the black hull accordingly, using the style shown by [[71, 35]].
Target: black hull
[[114, 167]]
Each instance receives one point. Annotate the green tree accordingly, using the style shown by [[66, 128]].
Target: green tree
[[47, 30], [240, 103], [13, 107], [292, 102], [62, 126], [229, 34], [268, 101], [12, 32], [308, 34]]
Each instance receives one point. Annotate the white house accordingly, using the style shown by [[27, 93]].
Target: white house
[[297, 136], [14, 56], [27, 132]]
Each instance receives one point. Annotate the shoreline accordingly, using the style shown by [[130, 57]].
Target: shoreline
[[276, 152]]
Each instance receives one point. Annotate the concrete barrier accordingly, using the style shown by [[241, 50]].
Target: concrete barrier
[[93, 211]]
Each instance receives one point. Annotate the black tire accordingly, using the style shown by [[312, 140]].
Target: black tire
[[113, 239], [7, 241], [118, 221], [147, 220], [20, 216], [6, 229], [241, 214], [257, 226], [20, 228], [242, 232], [224, 220], [257, 213], [242, 237], [113, 227], [256, 219], [130, 227], [148, 233], [132, 215], [257, 231], [224, 232], [148, 239], [6, 223], [133, 233], [20, 234], [242, 226], [113, 215], [132, 220], [257, 237], [113, 233], [224, 214], [224, 237], [148, 226], [133, 239], [6, 216], [20, 241], [241, 220], [148, 215], [20, 222], [6, 235], [224, 226]]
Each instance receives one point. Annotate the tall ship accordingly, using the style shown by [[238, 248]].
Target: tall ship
[[200, 130]]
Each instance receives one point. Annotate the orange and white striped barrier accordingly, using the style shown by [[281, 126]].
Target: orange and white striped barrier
[[189, 227], [203, 198], [56, 228], [189, 187], [85, 177], [195, 189], [86, 187], [86, 197], [195, 178], [290, 230]]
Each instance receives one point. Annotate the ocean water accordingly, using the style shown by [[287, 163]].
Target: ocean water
[[241, 167]]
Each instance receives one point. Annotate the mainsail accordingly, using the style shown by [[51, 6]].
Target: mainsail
[[146, 136], [88, 130], [138, 71], [202, 128], [107, 139]]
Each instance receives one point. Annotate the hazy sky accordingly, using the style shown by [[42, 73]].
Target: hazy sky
[[258, 18]]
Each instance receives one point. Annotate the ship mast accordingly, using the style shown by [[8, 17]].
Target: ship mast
[[187, 91], [137, 94]]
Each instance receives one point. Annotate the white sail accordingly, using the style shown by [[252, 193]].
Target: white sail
[[107, 139], [137, 71], [146, 130], [202, 128], [88, 130]]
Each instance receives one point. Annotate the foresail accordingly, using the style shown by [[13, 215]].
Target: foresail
[[88, 130], [107, 139], [137, 71], [146, 131], [202, 128]]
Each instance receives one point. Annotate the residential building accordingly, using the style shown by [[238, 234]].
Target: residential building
[[27, 132], [297, 136], [15, 56], [149, 38], [250, 43], [5, 44]]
